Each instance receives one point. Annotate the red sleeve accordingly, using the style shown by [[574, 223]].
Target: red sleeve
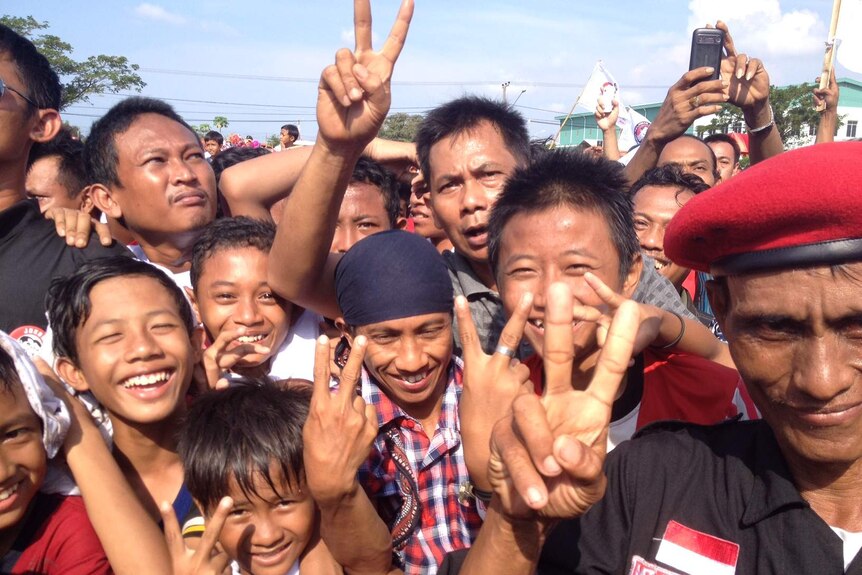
[[59, 540], [689, 388]]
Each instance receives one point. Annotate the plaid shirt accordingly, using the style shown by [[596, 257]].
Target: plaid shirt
[[438, 466]]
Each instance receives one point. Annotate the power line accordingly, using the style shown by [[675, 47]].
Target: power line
[[398, 83]]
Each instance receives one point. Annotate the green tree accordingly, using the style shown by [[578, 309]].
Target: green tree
[[80, 79], [220, 122], [401, 127], [202, 129], [793, 109], [273, 140]]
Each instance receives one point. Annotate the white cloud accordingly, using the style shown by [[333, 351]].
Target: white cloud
[[762, 28], [159, 14]]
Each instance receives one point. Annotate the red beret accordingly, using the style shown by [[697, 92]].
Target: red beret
[[801, 208]]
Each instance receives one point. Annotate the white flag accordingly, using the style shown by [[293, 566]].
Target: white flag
[[850, 46], [633, 127]]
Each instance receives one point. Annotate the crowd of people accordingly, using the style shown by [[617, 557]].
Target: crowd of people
[[465, 354]]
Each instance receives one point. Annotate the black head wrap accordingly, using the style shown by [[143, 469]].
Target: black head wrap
[[392, 275]]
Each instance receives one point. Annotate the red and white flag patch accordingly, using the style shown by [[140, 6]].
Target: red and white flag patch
[[696, 553], [641, 566]]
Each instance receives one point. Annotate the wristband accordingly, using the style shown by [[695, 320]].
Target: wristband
[[764, 127], [681, 332]]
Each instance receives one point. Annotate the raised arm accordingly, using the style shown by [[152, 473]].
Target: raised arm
[[607, 122], [337, 439], [352, 102], [131, 539], [828, 123]]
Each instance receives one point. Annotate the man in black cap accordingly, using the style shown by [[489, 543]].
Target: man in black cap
[[780, 495]]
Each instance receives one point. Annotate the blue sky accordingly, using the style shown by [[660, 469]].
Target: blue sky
[[546, 47]]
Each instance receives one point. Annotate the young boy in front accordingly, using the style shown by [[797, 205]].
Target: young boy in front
[[125, 332], [246, 468]]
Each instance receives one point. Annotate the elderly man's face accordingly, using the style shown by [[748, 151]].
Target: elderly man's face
[[796, 338]]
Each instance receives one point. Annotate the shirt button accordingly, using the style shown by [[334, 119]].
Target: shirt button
[[409, 424]]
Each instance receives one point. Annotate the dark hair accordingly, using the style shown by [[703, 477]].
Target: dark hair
[[464, 114], [68, 300], [370, 172], [241, 432], [670, 176], [41, 82], [292, 131], [230, 233], [100, 151], [8, 374], [233, 156], [568, 178], [70, 174], [215, 137], [727, 140]]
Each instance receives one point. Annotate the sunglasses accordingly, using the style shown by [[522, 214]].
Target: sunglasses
[[4, 87]]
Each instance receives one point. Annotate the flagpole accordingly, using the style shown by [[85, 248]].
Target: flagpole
[[575, 105], [829, 56]]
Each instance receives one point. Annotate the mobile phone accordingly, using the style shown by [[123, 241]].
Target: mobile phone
[[706, 50]]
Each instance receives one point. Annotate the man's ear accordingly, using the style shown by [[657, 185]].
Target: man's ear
[[47, 126], [71, 374], [86, 202], [630, 282], [197, 339], [400, 223], [716, 291], [344, 329], [103, 198], [190, 293]]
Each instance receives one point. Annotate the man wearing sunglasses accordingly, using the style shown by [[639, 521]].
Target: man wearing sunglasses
[[31, 252]]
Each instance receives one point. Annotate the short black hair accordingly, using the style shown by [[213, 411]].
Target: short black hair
[[233, 156], [70, 152], [40, 80], [215, 137], [568, 178], [292, 131], [68, 300], [230, 233], [241, 432], [100, 151], [465, 114], [670, 176], [9, 377], [370, 172], [727, 140]]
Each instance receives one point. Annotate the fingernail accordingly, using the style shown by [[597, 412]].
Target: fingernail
[[739, 73], [346, 101], [551, 465], [355, 93], [568, 453], [710, 69], [534, 496], [748, 76]]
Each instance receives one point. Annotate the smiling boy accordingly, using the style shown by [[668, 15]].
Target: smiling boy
[[126, 333]]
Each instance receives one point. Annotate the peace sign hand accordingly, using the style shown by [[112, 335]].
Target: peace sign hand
[[208, 558], [547, 455], [354, 93], [340, 428], [491, 383]]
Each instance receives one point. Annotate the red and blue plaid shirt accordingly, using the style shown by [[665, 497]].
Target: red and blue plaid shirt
[[447, 522]]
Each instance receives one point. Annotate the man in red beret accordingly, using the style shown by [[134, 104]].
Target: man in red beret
[[779, 495]]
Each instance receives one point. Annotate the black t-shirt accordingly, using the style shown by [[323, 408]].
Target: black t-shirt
[[31, 255], [726, 483]]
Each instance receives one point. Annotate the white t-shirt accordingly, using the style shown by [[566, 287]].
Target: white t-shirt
[[852, 544]]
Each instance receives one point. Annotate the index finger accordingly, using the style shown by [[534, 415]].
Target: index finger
[[214, 527], [729, 46], [614, 357], [173, 536], [398, 34], [470, 344], [321, 370], [513, 331], [606, 294], [362, 24], [558, 347]]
